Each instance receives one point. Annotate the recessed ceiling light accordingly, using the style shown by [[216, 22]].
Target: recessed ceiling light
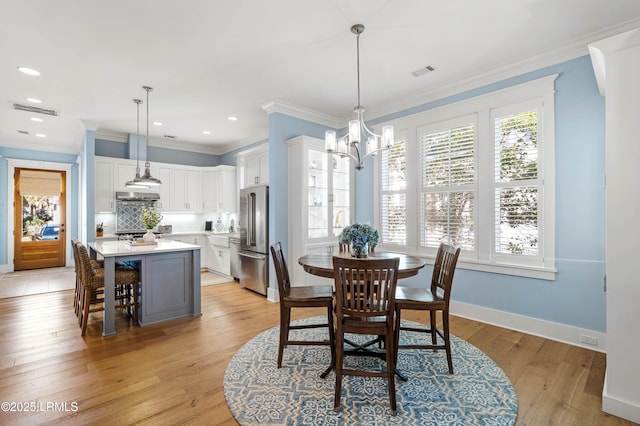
[[41, 135], [39, 120], [28, 71], [232, 118], [34, 100], [157, 123], [206, 132]]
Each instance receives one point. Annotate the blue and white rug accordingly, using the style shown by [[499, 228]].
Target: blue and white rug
[[259, 393]]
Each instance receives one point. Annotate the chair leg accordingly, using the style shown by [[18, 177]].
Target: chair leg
[[447, 340], [285, 317], [391, 370], [85, 310], [339, 360], [396, 334], [433, 325], [332, 334]]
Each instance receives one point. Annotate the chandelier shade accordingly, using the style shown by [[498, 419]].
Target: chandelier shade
[[350, 145]]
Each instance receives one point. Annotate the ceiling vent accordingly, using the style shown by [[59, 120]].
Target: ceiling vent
[[24, 132], [36, 110], [169, 137], [422, 71]]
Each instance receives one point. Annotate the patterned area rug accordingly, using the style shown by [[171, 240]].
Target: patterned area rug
[[259, 393]]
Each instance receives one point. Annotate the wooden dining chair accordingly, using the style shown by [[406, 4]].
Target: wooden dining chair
[[365, 302], [300, 297], [434, 299], [92, 279]]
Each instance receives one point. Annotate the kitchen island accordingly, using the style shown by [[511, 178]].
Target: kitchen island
[[169, 276]]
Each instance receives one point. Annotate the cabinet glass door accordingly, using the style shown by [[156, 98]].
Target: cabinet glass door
[[341, 187], [318, 194]]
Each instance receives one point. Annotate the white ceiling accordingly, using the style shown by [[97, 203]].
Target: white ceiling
[[208, 59]]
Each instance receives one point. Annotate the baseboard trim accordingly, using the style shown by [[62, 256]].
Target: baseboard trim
[[617, 407], [272, 295], [537, 327]]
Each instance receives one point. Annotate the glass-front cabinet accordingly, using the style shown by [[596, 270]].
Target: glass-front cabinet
[[328, 200], [320, 200]]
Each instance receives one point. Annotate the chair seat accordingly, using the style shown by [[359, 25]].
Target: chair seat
[[309, 292], [416, 298]]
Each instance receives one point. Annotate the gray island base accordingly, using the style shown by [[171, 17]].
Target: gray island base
[[169, 276]]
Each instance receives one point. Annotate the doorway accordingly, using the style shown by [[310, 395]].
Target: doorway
[[39, 218]]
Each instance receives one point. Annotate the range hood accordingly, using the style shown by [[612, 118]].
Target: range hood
[[137, 196]]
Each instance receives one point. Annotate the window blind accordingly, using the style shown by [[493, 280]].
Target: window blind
[[516, 188]]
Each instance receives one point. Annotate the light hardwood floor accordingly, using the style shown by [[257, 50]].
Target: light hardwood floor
[[173, 373]]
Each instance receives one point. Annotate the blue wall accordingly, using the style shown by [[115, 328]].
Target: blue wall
[[576, 297], [105, 148]]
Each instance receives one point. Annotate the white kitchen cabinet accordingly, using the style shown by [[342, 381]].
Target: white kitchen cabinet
[[256, 166], [105, 201], [165, 174], [219, 189], [187, 190], [320, 200], [201, 241], [209, 189]]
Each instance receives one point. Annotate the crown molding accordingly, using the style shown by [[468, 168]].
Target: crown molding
[[302, 113], [567, 52], [113, 136]]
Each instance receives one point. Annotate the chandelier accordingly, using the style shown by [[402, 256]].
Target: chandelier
[[145, 180], [350, 145]]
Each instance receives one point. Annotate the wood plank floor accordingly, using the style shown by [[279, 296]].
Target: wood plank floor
[[173, 373]]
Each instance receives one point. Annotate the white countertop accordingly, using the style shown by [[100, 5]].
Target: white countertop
[[124, 248]]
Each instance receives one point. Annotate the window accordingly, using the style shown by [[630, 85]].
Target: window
[[482, 171], [447, 185], [394, 201]]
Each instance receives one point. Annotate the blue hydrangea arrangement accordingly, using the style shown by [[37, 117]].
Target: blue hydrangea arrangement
[[359, 234]]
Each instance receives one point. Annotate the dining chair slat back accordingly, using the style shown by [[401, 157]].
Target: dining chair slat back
[[365, 294], [434, 299], [300, 297]]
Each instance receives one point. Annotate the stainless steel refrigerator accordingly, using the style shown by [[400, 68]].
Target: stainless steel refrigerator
[[254, 238]]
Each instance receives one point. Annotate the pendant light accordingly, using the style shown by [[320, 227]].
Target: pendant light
[[147, 179], [136, 183], [358, 130]]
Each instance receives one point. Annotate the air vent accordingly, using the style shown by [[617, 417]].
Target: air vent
[[422, 71], [24, 132], [169, 137], [34, 109]]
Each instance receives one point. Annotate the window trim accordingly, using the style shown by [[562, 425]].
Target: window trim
[[539, 90]]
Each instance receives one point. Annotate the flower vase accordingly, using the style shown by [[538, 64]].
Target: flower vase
[[359, 251], [149, 237]]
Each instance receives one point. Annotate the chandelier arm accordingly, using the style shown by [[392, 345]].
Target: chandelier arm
[[368, 130]]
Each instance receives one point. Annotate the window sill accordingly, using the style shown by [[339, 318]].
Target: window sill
[[541, 273]]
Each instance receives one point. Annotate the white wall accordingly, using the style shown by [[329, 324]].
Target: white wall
[[617, 65]]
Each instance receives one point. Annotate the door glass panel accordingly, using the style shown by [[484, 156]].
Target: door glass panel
[[40, 194]]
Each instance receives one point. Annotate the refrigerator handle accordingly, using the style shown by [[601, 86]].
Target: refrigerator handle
[[253, 256], [251, 225]]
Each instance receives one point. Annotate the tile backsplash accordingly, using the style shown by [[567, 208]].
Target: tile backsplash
[[181, 222]]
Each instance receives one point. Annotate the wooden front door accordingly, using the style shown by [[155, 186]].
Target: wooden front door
[[39, 218]]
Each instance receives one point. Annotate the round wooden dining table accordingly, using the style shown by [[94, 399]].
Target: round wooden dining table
[[321, 264]]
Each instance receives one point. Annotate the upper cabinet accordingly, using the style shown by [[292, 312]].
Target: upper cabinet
[[183, 188], [255, 166], [104, 191], [219, 189], [187, 189]]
